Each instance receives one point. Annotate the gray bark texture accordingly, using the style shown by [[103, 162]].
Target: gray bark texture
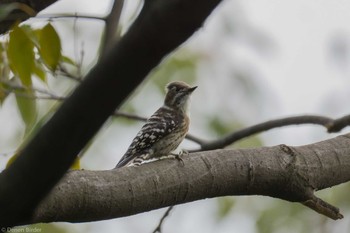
[[285, 172]]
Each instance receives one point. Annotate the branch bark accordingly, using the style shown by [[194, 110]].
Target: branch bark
[[332, 126], [50, 153], [288, 173]]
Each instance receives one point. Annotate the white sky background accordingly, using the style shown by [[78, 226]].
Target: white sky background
[[296, 52], [306, 69]]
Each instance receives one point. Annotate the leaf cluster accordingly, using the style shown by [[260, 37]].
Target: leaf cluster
[[26, 53]]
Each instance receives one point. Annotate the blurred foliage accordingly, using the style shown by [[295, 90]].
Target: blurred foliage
[[36, 127], [27, 107], [282, 216], [273, 215], [338, 195], [40, 227], [224, 206], [180, 66], [279, 215], [252, 141], [28, 53], [221, 128]]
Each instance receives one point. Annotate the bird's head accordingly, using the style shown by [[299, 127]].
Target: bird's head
[[178, 95]]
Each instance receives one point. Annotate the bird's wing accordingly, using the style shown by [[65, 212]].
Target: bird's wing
[[159, 125]]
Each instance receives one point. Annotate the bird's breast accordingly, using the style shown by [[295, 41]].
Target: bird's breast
[[173, 140]]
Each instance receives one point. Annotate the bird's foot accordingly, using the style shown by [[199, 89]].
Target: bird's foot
[[179, 156], [183, 152]]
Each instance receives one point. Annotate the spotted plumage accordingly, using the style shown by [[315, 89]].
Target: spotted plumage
[[164, 130]]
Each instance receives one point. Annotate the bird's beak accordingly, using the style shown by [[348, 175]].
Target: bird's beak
[[190, 90]]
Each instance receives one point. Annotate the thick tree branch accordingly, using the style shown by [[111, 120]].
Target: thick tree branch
[[288, 173], [51, 152], [332, 125]]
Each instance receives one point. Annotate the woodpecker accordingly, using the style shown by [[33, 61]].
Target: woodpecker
[[164, 130]]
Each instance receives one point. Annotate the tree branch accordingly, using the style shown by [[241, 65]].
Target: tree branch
[[49, 154], [20, 14], [166, 214], [111, 25], [11, 87], [288, 173], [332, 125]]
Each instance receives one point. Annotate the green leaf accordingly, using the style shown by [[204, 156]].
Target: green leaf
[[50, 47], [26, 104], [4, 66], [21, 55], [32, 34], [4, 72], [12, 159], [39, 71], [68, 60], [76, 164], [2, 94]]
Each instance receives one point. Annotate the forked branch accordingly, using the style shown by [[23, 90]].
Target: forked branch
[[280, 171]]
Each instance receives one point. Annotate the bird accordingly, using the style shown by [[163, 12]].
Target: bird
[[164, 130]]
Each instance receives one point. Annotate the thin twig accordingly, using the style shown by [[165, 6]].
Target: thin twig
[[64, 72], [332, 125], [111, 26], [338, 124], [68, 16], [195, 139], [47, 95], [159, 227], [129, 116], [37, 97]]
